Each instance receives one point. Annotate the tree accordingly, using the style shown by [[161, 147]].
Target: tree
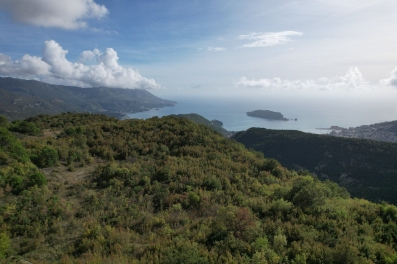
[[3, 121], [47, 157], [4, 245]]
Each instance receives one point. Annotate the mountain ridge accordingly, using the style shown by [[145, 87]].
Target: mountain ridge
[[24, 98]]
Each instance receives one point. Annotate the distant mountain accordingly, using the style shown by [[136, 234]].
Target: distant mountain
[[24, 98], [368, 169]]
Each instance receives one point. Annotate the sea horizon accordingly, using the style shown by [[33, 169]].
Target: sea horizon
[[311, 114]]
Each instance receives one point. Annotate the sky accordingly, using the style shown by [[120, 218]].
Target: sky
[[205, 47]]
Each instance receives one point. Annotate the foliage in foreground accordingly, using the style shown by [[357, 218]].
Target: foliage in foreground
[[171, 191]]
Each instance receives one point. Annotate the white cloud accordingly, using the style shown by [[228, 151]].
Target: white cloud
[[392, 80], [269, 39], [216, 49], [55, 68], [66, 14], [352, 80], [88, 55], [28, 65]]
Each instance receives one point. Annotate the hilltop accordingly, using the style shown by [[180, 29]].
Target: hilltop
[[83, 188], [20, 99], [215, 125]]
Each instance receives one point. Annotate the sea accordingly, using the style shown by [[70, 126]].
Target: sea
[[312, 114]]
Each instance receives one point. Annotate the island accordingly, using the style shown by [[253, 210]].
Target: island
[[267, 114]]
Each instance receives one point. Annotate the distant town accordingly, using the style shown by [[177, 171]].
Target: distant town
[[386, 131]]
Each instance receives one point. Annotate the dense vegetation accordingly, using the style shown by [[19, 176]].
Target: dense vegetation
[[368, 169], [20, 99], [171, 191]]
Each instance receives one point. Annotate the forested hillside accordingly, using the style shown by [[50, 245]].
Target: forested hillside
[[368, 169], [81, 188], [20, 99]]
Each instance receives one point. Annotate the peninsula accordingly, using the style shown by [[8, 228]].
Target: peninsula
[[267, 114]]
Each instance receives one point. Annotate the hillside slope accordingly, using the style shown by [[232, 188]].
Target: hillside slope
[[368, 169], [166, 190], [20, 99]]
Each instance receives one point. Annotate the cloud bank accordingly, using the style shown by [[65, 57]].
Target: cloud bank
[[269, 39], [392, 80], [66, 14], [53, 67], [351, 81]]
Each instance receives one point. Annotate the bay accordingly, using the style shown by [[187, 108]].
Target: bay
[[311, 113]]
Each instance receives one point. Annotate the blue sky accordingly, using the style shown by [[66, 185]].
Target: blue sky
[[200, 46]]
